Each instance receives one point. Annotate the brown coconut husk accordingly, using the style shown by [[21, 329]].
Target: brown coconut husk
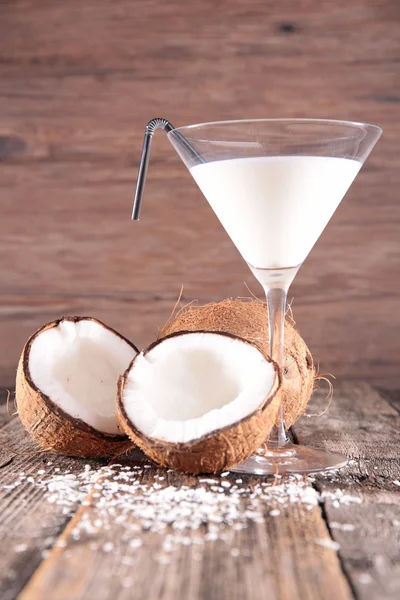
[[52, 428], [217, 451], [248, 319]]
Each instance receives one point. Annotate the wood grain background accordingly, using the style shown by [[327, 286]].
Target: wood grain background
[[78, 82]]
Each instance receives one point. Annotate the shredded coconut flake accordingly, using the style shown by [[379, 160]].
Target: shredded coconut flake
[[328, 543], [342, 526], [396, 523], [187, 515]]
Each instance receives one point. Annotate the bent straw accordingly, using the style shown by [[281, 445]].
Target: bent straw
[[157, 123]]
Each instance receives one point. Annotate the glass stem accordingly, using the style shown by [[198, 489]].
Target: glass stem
[[276, 302]]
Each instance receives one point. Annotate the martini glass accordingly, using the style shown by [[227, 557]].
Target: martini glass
[[274, 184]]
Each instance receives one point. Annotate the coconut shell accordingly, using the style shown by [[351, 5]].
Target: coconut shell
[[215, 452], [51, 427], [249, 320]]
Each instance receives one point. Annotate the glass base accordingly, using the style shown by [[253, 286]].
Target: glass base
[[291, 459]]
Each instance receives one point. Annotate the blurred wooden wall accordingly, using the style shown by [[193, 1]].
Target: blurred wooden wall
[[78, 82]]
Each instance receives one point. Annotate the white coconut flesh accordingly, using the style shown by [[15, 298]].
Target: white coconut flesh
[[191, 385], [76, 365]]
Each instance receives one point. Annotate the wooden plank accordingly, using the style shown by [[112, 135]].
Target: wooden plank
[[392, 396], [39, 523], [58, 53], [29, 525], [362, 425], [365, 427], [72, 111], [280, 558]]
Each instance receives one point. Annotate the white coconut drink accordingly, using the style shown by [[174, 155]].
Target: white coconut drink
[[66, 385], [199, 402]]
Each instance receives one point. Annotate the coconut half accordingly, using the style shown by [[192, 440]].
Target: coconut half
[[249, 320], [66, 383], [199, 402]]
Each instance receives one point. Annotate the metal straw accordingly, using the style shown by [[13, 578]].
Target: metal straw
[[151, 126]]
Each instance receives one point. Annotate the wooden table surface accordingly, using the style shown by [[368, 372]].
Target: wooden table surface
[[345, 546]]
